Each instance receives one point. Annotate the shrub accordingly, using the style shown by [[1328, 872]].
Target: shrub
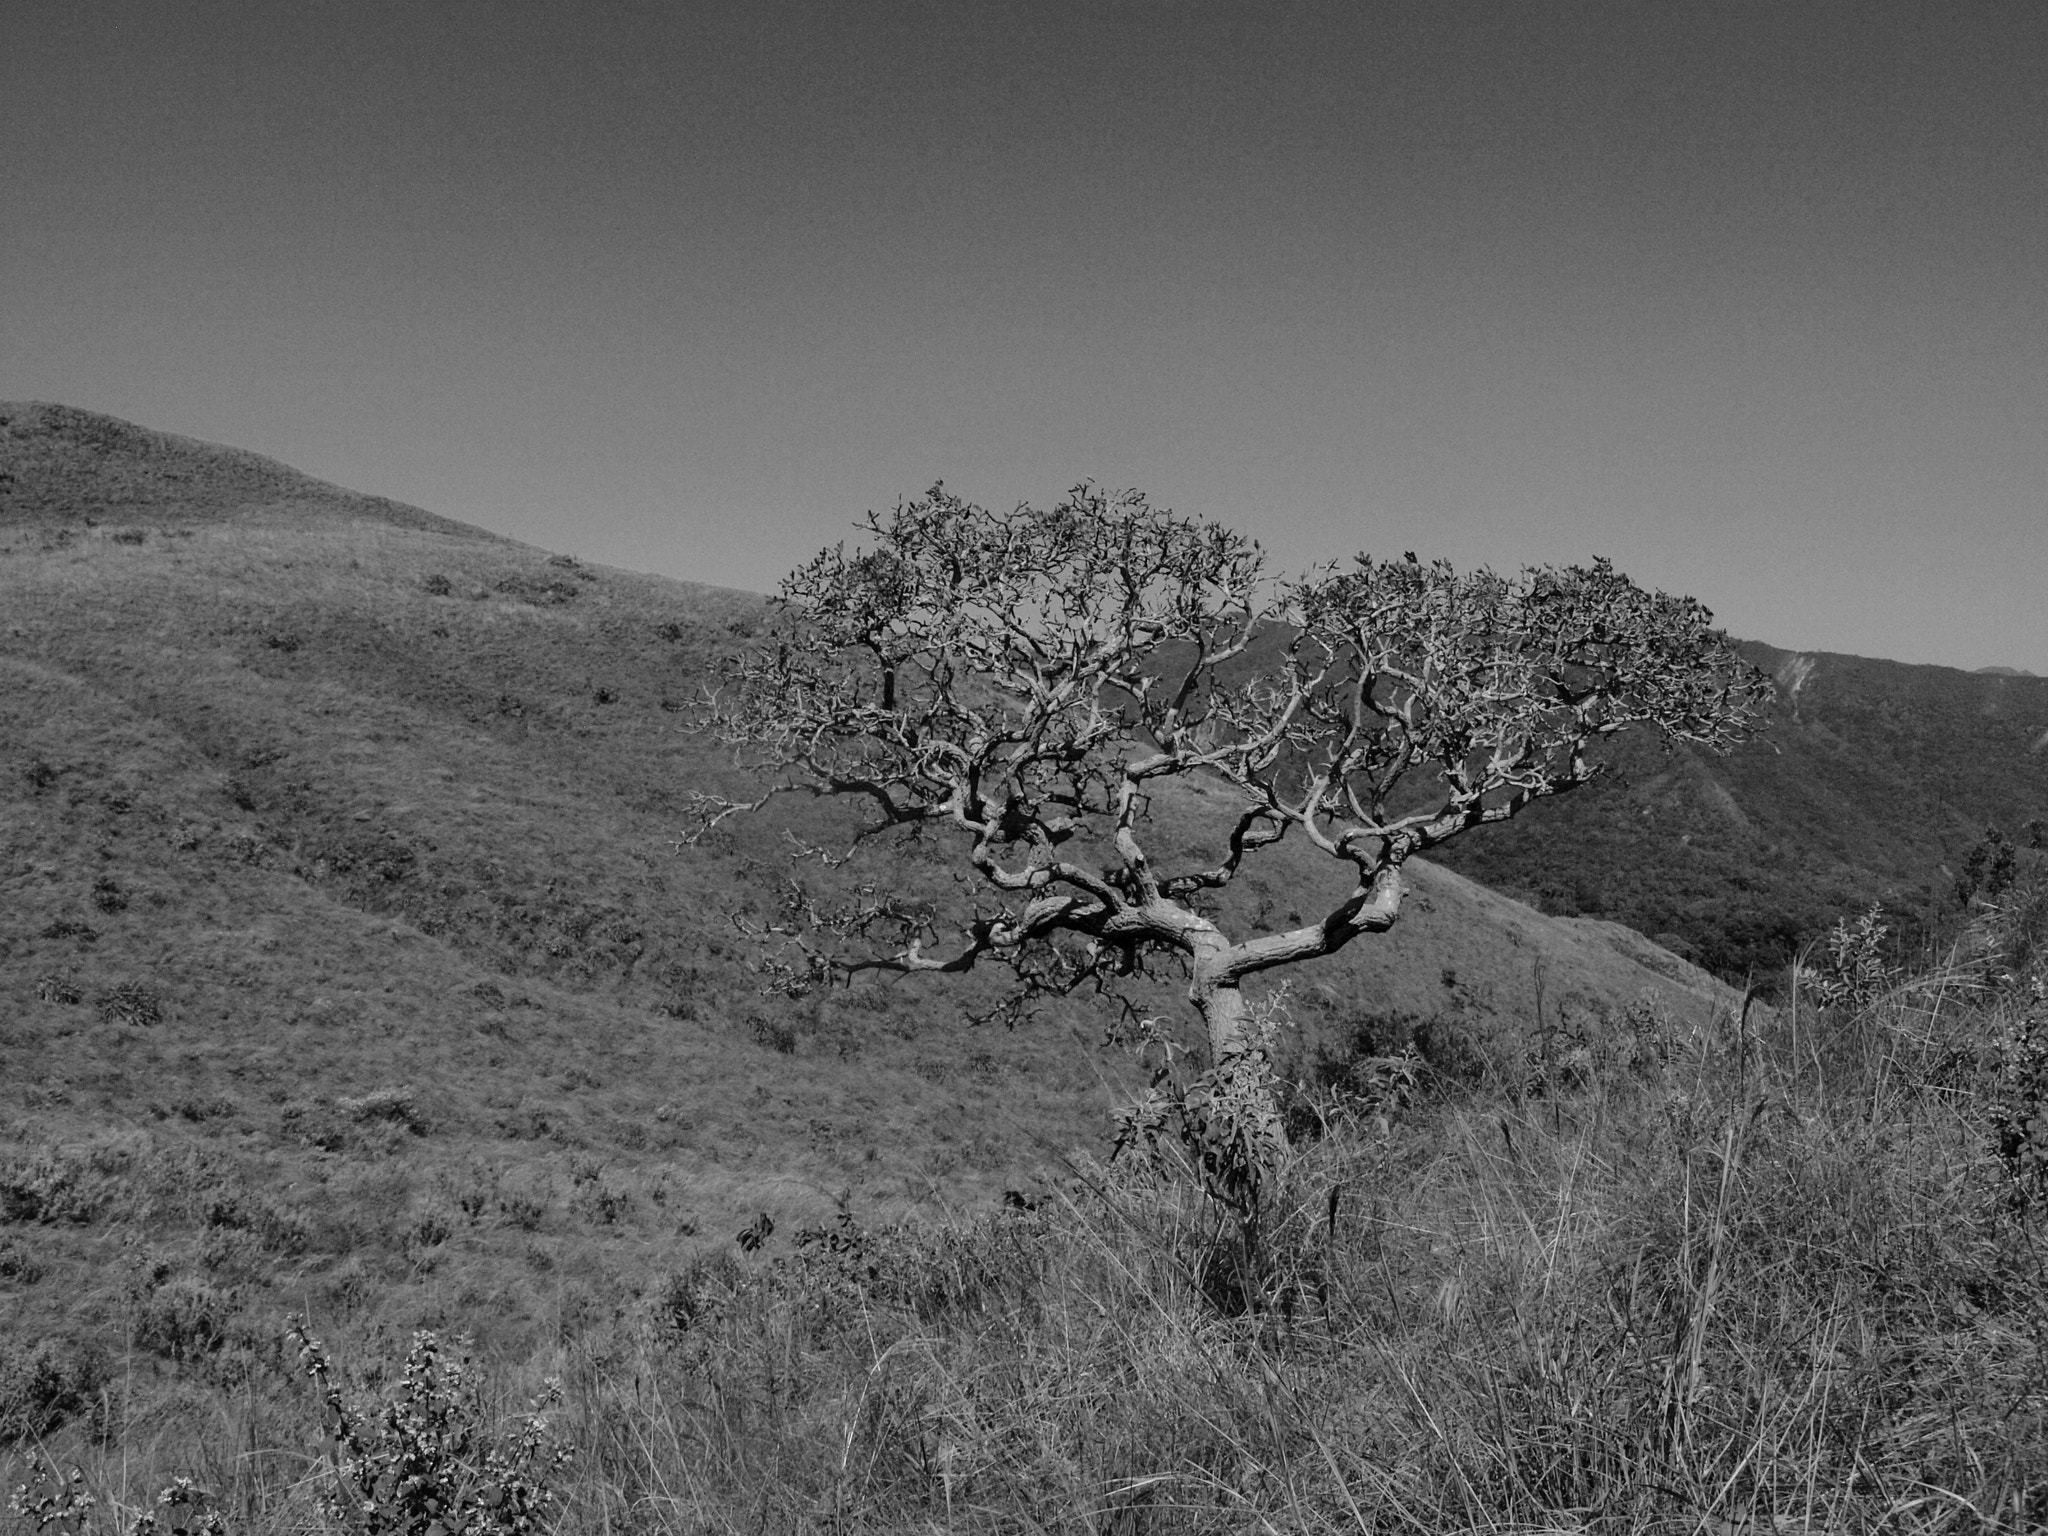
[[63, 1184], [429, 1226], [130, 1003], [56, 1502], [2012, 937], [46, 1384], [526, 1208], [437, 585], [53, 1501], [186, 1511], [1851, 968], [394, 1106], [2019, 1112], [471, 1192], [18, 1264], [276, 1228], [541, 591], [58, 989], [777, 1035], [603, 1202], [180, 1317], [424, 1460]]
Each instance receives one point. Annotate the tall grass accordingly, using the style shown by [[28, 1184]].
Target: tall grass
[[1774, 1282], [1777, 1274]]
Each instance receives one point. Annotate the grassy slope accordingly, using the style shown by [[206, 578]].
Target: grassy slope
[[376, 804]]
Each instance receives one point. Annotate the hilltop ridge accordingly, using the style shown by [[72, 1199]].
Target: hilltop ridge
[[62, 462]]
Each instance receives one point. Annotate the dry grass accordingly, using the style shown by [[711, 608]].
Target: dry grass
[[1781, 1288], [1768, 1275]]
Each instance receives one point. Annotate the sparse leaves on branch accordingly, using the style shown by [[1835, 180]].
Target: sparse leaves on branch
[[1026, 682]]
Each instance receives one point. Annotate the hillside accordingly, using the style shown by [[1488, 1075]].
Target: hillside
[[1871, 778], [346, 957]]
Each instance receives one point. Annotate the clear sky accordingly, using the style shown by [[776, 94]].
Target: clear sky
[[1752, 298]]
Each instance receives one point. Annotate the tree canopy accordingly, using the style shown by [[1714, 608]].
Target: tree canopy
[[1026, 680]]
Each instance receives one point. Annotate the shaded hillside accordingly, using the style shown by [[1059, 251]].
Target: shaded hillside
[[1872, 777], [346, 957]]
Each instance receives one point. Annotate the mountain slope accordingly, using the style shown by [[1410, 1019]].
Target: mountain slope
[[1870, 778]]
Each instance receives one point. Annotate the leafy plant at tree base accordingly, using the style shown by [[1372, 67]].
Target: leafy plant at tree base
[[424, 1461], [1226, 1119], [1029, 682], [1227, 1124]]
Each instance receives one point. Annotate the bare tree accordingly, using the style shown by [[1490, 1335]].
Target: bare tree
[[1026, 682]]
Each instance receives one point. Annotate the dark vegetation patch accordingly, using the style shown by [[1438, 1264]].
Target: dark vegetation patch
[[1877, 787], [130, 1003], [540, 590]]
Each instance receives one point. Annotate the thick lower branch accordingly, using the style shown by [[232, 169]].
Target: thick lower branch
[[1220, 966], [1370, 908]]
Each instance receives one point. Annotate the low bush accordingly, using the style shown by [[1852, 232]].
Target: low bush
[[61, 990], [425, 1459], [132, 1004], [71, 1184], [18, 1263], [45, 1384], [183, 1318], [395, 1106]]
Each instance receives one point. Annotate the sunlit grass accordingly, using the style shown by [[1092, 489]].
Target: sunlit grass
[[1769, 1275]]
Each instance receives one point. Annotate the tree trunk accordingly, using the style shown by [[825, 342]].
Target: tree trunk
[[1218, 999]]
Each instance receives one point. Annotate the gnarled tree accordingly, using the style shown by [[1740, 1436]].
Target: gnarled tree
[[1025, 681]]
